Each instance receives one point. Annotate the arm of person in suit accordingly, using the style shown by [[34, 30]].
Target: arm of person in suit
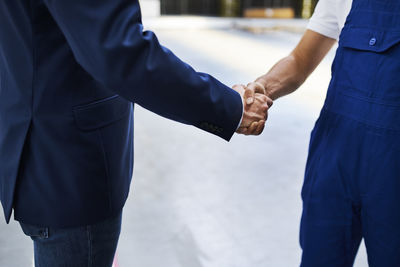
[[292, 71], [108, 41]]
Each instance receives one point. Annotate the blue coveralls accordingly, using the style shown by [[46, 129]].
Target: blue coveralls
[[352, 183]]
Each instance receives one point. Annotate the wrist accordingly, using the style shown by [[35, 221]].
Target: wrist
[[272, 86], [239, 89]]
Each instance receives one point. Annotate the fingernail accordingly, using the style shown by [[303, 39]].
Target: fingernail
[[249, 101]]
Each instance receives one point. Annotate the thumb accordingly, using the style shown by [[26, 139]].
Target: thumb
[[270, 102], [257, 87], [249, 96]]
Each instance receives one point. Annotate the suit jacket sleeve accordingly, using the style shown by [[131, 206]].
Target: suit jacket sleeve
[[107, 39]]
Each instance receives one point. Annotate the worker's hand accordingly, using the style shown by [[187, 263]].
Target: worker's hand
[[256, 107], [251, 90]]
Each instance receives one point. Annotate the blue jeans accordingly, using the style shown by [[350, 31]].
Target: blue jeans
[[86, 246]]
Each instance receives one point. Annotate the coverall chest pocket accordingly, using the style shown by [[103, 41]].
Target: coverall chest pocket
[[371, 62]]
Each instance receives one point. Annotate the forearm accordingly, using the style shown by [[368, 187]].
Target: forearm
[[284, 78], [292, 71]]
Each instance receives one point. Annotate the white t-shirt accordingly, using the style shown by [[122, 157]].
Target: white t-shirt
[[329, 17]]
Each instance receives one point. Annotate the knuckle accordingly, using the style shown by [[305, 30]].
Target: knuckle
[[260, 86], [249, 90]]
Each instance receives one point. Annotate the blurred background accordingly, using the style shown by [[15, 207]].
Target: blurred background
[[197, 201], [236, 8]]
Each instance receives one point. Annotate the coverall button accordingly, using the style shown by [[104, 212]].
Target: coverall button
[[372, 42]]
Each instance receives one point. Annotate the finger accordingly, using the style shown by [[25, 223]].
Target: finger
[[264, 98], [238, 86], [270, 102], [257, 87], [249, 96], [260, 128], [252, 129], [264, 102], [240, 89], [242, 130], [259, 115]]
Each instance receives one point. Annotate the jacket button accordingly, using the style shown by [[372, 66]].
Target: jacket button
[[372, 42]]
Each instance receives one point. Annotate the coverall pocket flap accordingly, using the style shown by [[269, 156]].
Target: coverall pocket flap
[[368, 40], [101, 112]]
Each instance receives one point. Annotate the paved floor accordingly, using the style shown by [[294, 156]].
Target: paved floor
[[197, 201]]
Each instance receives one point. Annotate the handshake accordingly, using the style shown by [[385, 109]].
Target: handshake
[[256, 105]]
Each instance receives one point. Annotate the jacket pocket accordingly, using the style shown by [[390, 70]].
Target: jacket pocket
[[101, 113]]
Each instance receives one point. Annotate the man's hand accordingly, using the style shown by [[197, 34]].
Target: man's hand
[[256, 106]]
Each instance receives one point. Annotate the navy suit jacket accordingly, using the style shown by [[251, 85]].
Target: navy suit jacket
[[69, 73]]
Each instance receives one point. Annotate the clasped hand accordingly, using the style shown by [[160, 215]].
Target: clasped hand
[[256, 106]]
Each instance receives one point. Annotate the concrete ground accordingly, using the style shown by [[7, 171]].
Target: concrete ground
[[250, 24], [197, 201]]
